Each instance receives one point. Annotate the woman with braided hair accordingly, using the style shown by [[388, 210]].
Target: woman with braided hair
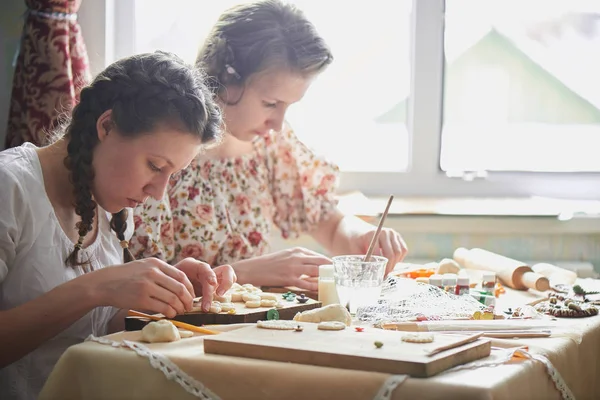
[[261, 57], [65, 268]]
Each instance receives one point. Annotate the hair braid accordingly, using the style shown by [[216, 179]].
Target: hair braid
[[79, 162], [118, 223]]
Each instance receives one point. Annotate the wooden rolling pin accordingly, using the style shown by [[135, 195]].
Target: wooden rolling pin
[[512, 273]]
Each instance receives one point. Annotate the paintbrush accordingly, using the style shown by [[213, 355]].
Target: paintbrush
[[378, 231]]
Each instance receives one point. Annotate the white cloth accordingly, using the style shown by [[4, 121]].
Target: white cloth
[[33, 250]]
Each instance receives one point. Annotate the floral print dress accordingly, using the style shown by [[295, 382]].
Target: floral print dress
[[222, 211]]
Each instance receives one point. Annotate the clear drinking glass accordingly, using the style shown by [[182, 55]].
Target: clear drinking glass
[[358, 282]]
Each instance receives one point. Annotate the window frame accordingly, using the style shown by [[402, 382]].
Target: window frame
[[109, 25]]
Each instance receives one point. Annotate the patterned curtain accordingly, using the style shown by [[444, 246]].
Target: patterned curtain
[[51, 68]]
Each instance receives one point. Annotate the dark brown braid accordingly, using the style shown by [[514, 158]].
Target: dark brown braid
[[118, 223], [142, 91]]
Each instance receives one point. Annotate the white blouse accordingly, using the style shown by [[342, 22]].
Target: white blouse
[[33, 250]]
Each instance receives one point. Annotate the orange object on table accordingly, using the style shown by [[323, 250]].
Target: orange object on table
[[420, 273], [499, 290]]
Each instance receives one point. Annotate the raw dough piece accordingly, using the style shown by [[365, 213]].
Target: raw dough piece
[[253, 303], [278, 324], [226, 298], [331, 326], [184, 333], [251, 288], [215, 307], [418, 337], [268, 303], [237, 295], [250, 297], [448, 266], [225, 307], [332, 312], [268, 296], [160, 331]]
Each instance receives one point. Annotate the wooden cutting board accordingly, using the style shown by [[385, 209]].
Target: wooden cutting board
[[347, 349], [242, 315]]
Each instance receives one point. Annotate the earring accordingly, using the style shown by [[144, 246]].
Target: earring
[[231, 71]]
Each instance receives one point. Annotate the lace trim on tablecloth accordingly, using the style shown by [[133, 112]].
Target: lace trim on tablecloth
[[163, 364], [508, 355], [388, 387]]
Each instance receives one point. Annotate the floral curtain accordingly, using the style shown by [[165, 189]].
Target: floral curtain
[[51, 67]]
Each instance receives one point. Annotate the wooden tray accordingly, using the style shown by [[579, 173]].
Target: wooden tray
[[242, 315], [346, 349]]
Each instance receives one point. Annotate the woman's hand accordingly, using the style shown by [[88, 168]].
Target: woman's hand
[[389, 245], [206, 280], [288, 267], [147, 284]]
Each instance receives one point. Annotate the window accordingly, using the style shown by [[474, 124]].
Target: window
[[432, 98], [521, 86], [360, 99]]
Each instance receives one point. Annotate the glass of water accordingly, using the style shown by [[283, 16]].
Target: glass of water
[[358, 282]]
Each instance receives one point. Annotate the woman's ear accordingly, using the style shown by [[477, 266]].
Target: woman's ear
[[104, 124]]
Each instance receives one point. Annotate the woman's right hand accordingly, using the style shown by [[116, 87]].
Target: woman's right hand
[[148, 284], [288, 267]]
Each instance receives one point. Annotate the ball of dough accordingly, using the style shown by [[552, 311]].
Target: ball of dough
[[160, 331], [448, 266]]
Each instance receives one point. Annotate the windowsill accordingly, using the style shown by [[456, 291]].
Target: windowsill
[[358, 204], [503, 216]]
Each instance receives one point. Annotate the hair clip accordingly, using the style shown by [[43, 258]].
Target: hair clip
[[79, 244], [231, 71], [124, 244]]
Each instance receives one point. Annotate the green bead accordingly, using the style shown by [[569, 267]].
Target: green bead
[[272, 314]]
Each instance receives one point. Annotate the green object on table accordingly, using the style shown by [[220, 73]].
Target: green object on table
[[272, 314], [289, 296]]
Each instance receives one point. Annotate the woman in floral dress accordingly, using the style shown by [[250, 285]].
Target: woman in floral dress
[[261, 57]]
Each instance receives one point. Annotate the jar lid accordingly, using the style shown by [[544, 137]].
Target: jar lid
[[489, 276], [463, 280], [449, 279], [435, 280]]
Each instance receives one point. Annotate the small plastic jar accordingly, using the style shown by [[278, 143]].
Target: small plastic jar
[[488, 283], [462, 285]]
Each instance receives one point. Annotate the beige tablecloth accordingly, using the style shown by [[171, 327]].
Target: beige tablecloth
[[93, 370]]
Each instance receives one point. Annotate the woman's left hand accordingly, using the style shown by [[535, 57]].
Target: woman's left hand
[[207, 280], [389, 245]]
